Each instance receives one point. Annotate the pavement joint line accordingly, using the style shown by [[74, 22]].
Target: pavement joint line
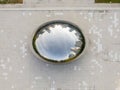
[[60, 8]]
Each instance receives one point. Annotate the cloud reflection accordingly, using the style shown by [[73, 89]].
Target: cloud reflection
[[58, 42]]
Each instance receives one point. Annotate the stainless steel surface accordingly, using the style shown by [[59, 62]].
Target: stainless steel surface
[[58, 41]]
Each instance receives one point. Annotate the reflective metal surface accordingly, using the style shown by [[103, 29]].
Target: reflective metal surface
[[58, 41]]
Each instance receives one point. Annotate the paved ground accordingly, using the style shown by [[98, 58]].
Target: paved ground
[[97, 69], [59, 3]]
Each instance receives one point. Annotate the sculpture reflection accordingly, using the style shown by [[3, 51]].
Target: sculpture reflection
[[58, 42]]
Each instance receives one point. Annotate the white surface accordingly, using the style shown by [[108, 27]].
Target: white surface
[[59, 4], [98, 69]]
